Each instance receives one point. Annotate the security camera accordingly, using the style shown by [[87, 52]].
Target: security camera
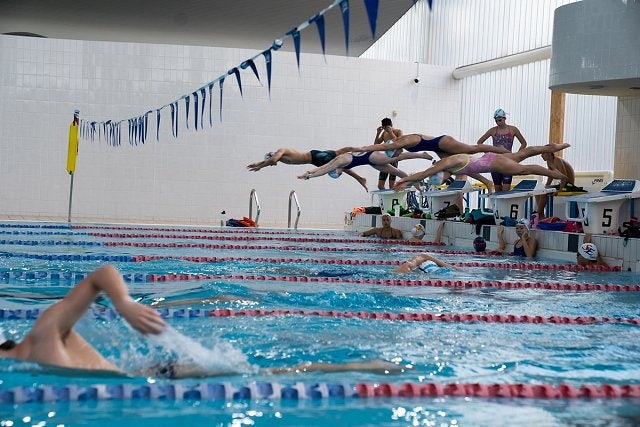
[[416, 80]]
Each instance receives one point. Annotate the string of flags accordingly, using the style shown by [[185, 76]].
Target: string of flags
[[196, 103]]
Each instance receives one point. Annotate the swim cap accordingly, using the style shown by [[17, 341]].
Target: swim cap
[[334, 173], [418, 230], [499, 113], [269, 155], [479, 244], [588, 251], [524, 222], [386, 122], [428, 266], [436, 179]]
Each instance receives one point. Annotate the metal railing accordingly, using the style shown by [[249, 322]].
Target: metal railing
[[253, 195], [292, 195]]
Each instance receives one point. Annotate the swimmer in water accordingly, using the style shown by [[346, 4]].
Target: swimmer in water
[[425, 263], [53, 341]]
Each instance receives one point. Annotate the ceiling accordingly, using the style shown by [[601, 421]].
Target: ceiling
[[249, 24]]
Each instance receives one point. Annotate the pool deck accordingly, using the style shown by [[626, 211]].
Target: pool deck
[[551, 244]]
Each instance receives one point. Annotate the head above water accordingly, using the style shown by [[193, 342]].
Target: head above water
[[387, 122], [588, 251], [386, 220], [479, 244]]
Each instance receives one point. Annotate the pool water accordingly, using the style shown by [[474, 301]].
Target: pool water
[[257, 271]]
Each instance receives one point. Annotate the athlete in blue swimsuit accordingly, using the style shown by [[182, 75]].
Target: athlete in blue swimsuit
[[525, 246]]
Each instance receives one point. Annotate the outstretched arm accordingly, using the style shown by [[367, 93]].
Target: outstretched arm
[[65, 313], [271, 161], [339, 162], [446, 164]]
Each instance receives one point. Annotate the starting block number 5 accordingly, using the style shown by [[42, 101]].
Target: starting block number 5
[[607, 217]]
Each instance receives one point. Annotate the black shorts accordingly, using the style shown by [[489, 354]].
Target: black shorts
[[321, 158]]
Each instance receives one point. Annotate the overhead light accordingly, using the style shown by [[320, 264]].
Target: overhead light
[[596, 87]]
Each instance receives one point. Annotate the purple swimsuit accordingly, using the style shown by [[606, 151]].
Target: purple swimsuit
[[481, 165]]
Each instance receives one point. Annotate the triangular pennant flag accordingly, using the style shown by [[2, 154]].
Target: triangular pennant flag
[[372, 13], [210, 99], [235, 71], [344, 6], [319, 20], [430, 2], [186, 110], [195, 109], [173, 120], [250, 63], [158, 124], [146, 126], [267, 60], [296, 43], [177, 117], [203, 94], [221, 83]]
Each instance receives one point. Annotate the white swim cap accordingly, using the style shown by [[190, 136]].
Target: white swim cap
[[499, 113], [588, 251], [335, 174], [524, 222], [436, 179], [428, 266], [269, 155], [418, 230]]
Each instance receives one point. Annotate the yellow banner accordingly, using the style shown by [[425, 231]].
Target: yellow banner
[[72, 152]]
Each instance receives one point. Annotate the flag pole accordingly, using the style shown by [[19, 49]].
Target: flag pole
[[72, 153]]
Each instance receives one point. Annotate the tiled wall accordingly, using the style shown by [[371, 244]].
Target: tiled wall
[[326, 104]]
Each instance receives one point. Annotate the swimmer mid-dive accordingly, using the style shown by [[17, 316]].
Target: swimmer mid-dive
[[377, 160], [507, 164], [425, 263], [291, 156], [53, 341]]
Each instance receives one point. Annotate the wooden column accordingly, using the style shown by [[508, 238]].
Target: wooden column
[[556, 119]]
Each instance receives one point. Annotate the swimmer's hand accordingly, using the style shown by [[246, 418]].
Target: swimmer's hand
[[400, 185], [143, 319], [304, 175]]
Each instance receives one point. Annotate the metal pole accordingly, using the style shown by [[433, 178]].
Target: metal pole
[[70, 198]]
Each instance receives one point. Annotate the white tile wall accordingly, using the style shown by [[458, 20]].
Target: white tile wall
[[191, 179]]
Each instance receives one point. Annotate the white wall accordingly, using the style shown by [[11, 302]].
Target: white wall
[[325, 105]]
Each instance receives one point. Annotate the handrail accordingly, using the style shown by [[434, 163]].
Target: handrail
[[254, 195], [293, 195]]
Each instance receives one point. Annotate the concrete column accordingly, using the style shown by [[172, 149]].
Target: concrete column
[[627, 155]]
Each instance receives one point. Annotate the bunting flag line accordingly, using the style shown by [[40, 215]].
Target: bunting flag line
[[110, 130]]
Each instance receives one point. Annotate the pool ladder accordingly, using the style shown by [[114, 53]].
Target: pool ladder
[[294, 196], [253, 195]]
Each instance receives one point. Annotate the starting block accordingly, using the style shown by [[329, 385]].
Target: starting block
[[599, 212], [513, 203], [389, 199], [441, 199]]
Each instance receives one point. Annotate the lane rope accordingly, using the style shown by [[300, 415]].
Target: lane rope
[[189, 313], [302, 391]]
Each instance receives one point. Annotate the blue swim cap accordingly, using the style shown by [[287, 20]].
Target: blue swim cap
[[436, 179], [335, 174], [499, 113], [479, 244]]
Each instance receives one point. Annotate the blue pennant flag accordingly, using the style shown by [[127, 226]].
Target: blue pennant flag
[[186, 110], [195, 110], [430, 2], [177, 118], [203, 95], [267, 60], [173, 120], [158, 124], [210, 98], [296, 44], [250, 63], [235, 71], [344, 6], [146, 126], [372, 13], [221, 83], [319, 20]]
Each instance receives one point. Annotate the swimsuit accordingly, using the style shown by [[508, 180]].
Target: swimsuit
[[359, 160], [476, 165], [321, 158], [502, 140], [519, 251], [382, 176], [426, 145]]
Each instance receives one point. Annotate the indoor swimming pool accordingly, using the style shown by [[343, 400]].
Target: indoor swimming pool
[[498, 341]]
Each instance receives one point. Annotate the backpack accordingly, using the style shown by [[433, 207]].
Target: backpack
[[450, 211]]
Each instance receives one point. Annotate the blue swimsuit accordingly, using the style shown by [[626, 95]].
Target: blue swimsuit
[[519, 251], [359, 160], [426, 145]]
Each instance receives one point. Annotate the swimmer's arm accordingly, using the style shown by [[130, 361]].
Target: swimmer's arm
[[483, 180], [337, 163], [370, 232], [397, 234], [362, 181], [486, 136], [530, 245], [64, 314], [501, 243], [517, 134]]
